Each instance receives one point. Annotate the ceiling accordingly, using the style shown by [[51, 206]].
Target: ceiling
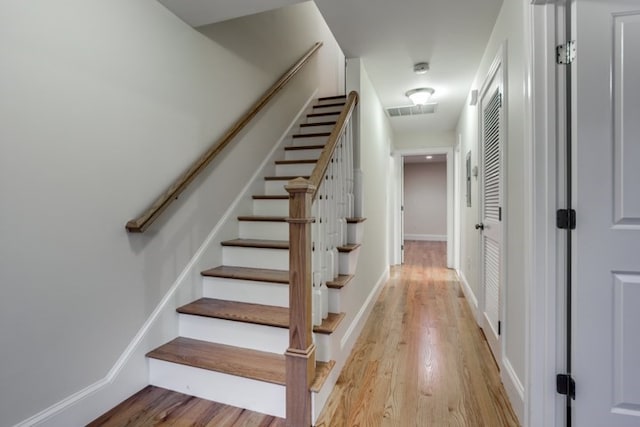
[[390, 36]]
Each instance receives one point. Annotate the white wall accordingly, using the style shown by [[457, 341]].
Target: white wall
[[417, 140], [425, 201], [508, 30], [103, 104], [376, 139]]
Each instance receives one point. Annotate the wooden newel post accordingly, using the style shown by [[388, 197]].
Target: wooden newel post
[[301, 354]]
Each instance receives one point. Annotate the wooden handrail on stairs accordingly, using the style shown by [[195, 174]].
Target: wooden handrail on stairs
[[327, 152], [300, 356], [142, 222]]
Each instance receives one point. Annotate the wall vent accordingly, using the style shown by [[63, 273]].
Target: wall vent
[[412, 110]]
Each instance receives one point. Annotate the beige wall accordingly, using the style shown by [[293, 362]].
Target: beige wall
[[425, 201], [103, 104]]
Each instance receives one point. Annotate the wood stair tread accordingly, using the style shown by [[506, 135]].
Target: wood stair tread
[[328, 98], [335, 104], [329, 123], [310, 135], [348, 247], [283, 178], [329, 113], [323, 369], [303, 147], [356, 220], [254, 364], [227, 359], [270, 197], [158, 406], [296, 162], [262, 218], [246, 273], [339, 282], [258, 314], [257, 243]]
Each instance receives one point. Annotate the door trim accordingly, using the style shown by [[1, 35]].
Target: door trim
[[450, 173], [542, 404]]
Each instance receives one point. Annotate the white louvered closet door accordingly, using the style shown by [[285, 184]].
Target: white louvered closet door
[[491, 202]]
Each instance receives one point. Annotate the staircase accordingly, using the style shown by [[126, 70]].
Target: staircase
[[231, 342]]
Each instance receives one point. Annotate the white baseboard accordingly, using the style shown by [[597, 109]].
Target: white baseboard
[[514, 388], [130, 372], [426, 237], [468, 294], [355, 328]]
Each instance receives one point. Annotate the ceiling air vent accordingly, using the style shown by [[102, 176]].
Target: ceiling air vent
[[412, 110]]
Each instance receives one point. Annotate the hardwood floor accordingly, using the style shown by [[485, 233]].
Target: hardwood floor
[[421, 359], [153, 406]]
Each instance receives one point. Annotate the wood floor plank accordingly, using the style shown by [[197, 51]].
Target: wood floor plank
[[421, 359]]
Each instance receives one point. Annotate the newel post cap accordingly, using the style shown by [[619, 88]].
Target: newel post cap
[[300, 185]]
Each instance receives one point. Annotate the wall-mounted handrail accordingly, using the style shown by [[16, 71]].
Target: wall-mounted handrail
[[327, 152], [142, 222]]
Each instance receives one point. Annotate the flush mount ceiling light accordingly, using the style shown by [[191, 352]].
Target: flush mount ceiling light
[[420, 96]]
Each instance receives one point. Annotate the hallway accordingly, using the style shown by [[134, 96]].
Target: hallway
[[421, 359]]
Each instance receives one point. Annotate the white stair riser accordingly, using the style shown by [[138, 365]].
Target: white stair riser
[[246, 291], [335, 301], [302, 154], [316, 129], [297, 169], [271, 207], [348, 261], [355, 231], [238, 334], [264, 230], [275, 188], [232, 390], [329, 101], [337, 109], [324, 349], [320, 119], [312, 140], [277, 259]]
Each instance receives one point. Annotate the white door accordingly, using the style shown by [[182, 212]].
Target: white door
[[491, 203], [606, 246]]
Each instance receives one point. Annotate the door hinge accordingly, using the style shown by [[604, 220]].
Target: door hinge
[[401, 208], [566, 385], [499, 327], [566, 219], [566, 53], [402, 247], [499, 213]]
